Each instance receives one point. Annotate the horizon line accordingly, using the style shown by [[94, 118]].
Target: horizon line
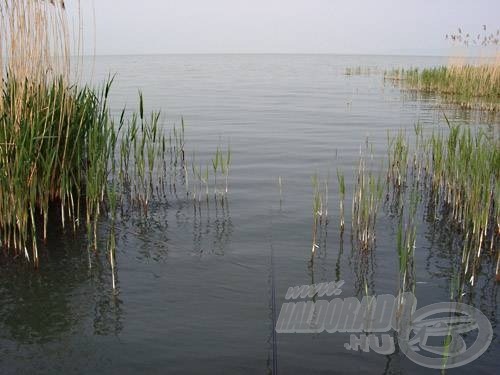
[[268, 53]]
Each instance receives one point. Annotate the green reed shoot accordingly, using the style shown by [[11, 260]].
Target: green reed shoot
[[366, 199], [319, 210], [341, 181]]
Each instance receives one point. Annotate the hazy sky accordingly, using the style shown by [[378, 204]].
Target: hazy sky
[[283, 26]]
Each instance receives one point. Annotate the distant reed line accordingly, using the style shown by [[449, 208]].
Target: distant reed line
[[469, 86]]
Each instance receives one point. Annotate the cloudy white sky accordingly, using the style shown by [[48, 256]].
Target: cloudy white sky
[[283, 26]]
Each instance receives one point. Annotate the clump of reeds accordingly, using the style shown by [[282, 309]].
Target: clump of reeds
[[469, 86], [221, 164], [465, 174], [144, 154], [405, 244], [201, 181], [458, 170], [60, 146], [466, 83], [201, 177], [55, 137], [398, 150], [365, 203], [319, 210], [53, 149]]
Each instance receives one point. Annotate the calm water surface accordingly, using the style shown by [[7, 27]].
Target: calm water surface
[[194, 289]]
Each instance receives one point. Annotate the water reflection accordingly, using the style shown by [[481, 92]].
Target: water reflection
[[443, 262], [272, 339], [441, 102], [209, 224], [62, 297], [363, 265], [212, 228]]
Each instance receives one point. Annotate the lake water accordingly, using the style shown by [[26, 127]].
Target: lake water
[[194, 289]]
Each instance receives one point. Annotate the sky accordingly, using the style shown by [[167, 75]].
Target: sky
[[123, 27]]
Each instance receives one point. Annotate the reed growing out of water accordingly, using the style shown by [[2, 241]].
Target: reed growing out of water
[[61, 148], [55, 137], [461, 176], [366, 199], [469, 86], [148, 165], [398, 150], [112, 198], [466, 172], [215, 165], [54, 148], [221, 165], [225, 165], [319, 210], [201, 177], [463, 82], [406, 239], [341, 181]]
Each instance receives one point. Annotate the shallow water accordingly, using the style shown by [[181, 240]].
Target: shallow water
[[194, 289]]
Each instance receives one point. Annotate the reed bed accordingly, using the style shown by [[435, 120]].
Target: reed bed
[[55, 137], [60, 147], [469, 86], [472, 84], [53, 149], [457, 171], [89, 163]]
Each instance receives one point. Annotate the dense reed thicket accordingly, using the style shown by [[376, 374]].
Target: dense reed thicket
[[53, 149], [469, 86], [54, 136], [60, 147]]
